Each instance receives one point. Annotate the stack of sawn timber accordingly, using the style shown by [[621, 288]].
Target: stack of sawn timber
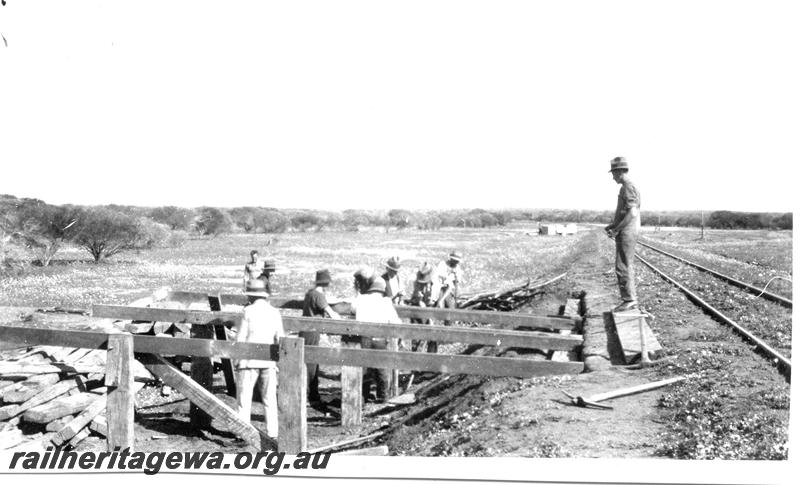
[[57, 393]]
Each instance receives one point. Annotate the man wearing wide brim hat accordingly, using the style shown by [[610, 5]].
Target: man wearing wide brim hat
[[316, 304], [447, 277], [625, 231], [373, 306], [421, 296], [261, 323], [394, 286]]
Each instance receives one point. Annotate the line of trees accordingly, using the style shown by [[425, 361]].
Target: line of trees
[[104, 231]]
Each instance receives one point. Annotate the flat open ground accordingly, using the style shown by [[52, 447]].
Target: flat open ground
[[737, 408]]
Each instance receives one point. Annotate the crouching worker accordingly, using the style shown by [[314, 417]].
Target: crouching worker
[[261, 323]]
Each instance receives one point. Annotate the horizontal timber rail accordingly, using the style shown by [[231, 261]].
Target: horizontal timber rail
[[454, 364], [784, 364], [496, 319], [741, 284], [141, 343], [505, 338]]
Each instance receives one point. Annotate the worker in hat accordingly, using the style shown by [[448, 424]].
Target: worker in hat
[[447, 277], [422, 297], [253, 269], [316, 304], [375, 307], [261, 323], [624, 230], [394, 286]]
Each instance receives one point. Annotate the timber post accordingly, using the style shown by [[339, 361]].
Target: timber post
[[120, 401], [291, 395], [352, 383], [202, 373]]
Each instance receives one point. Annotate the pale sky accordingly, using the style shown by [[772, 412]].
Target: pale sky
[[414, 104]]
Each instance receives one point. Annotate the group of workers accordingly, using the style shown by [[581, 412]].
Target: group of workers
[[376, 293], [374, 302]]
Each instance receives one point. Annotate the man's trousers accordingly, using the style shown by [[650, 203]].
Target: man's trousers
[[267, 381], [626, 253]]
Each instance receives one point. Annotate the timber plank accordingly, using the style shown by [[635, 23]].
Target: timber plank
[[450, 364], [144, 344], [119, 402], [60, 407], [76, 425], [410, 331], [30, 387], [292, 396], [201, 317], [215, 304], [201, 397], [17, 368], [498, 319], [351, 382], [43, 397], [57, 424], [628, 326]]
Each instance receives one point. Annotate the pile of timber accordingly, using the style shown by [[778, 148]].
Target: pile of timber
[[160, 329], [56, 394], [510, 299]]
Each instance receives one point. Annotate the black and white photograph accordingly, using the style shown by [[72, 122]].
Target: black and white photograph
[[419, 241]]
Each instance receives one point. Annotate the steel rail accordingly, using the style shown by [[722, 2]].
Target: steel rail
[[758, 291], [776, 357]]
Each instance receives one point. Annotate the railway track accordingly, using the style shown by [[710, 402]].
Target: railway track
[[752, 289], [722, 291]]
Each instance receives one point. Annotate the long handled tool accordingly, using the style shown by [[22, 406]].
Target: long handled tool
[[594, 401]]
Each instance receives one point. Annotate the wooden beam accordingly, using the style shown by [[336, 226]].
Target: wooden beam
[[394, 382], [351, 381], [60, 407], [482, 336], [142, 343], [291, 396], [203, 374], [215, 303], [193, 391], [203, 317], [20, 368], [437, 333], [75, 425], [47, 336], [120, 402], [449, 364], [28, 388], [48, 394], [495, 319]]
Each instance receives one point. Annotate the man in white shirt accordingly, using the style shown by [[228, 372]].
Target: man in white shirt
[[261, 323], [375, 307], [446, 278], [394, 286]]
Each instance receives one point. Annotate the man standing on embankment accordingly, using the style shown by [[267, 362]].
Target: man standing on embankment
[[625, 231]]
